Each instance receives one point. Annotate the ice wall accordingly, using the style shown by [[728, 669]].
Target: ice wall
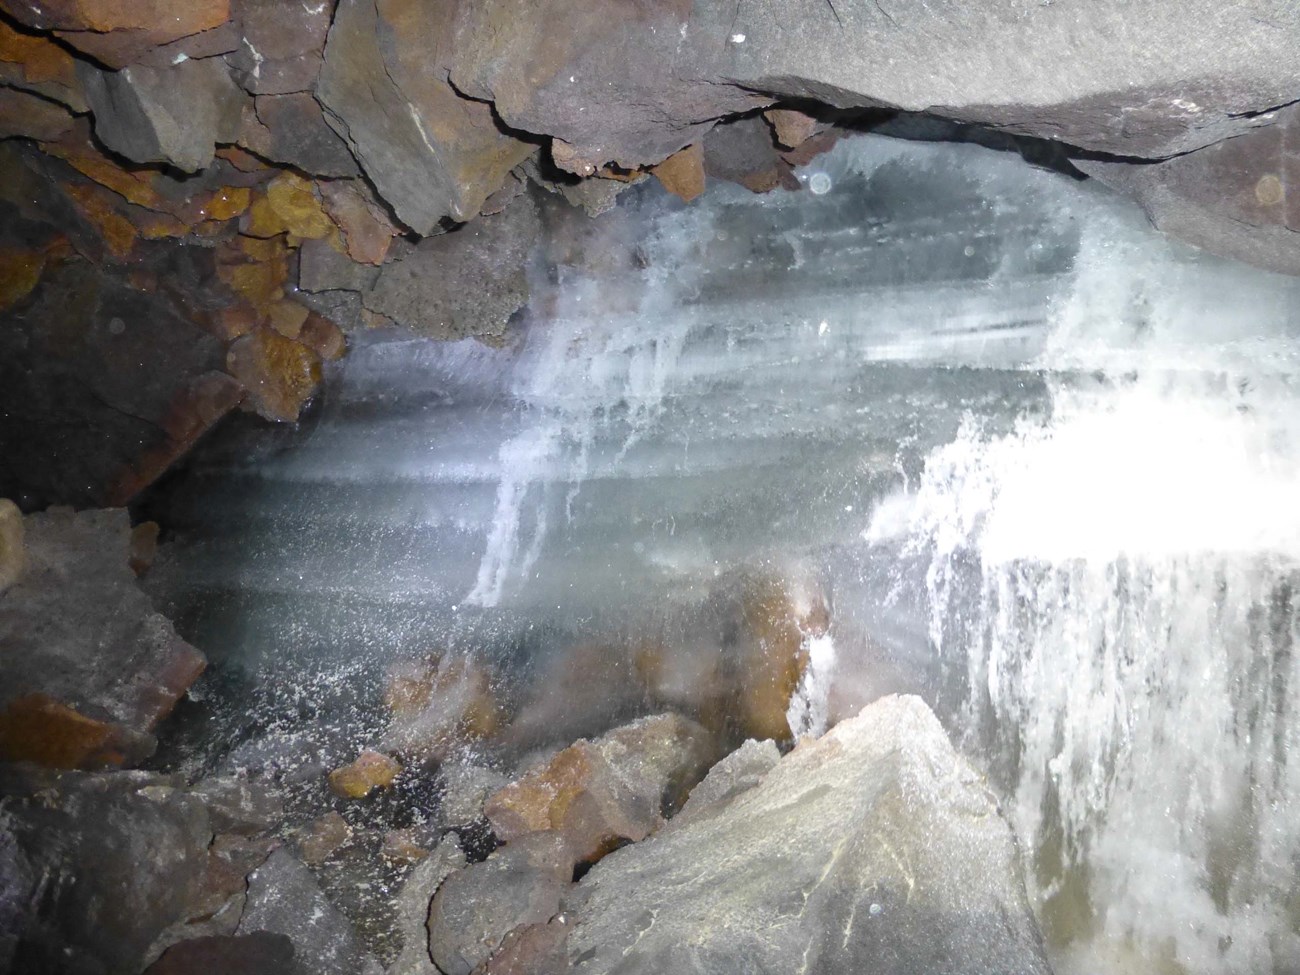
[[1044, 462]]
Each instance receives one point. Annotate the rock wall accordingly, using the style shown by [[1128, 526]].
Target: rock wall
[[168, 167]]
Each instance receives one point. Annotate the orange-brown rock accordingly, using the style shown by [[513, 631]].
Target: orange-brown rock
[[682, 173], [321, 838], [599, 794], [324, 336], [367, 231], [792, 127], [439, 703], [371, 770], [117, 234], [287, 317], [776, 616], [288, 206], [37, 728], [117, 32], [40, 63], [280, 374], [13, 551]]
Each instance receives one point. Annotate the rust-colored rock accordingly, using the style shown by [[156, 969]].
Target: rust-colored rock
[[531, 949], [601, 794], [319, 840], [287, 206], [287, 318], [371, 771], [367, 231], [117, 234], [39, 64], [322, 335], [682, 173], [279, 373], [791, 127], [438, 703], [776, 619], [37, 728]]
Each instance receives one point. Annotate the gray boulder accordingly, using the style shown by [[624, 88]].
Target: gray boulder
[[284, 898], [413, 906], [1149, 79], [873, 849], [173, 115]]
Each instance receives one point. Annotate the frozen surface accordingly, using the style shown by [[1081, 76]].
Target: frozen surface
[[1044, 462]]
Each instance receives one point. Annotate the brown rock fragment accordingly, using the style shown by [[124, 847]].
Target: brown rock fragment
[[792, 127], [20, 270], [322, 335], [367, 231], [601, 794], [438, 703], [321, 838], [37, 728], [371, 770], [279, 373], [532, 949], [402, 846], [682, 173]]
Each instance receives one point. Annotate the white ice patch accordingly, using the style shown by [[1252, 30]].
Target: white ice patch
[[809, 709]]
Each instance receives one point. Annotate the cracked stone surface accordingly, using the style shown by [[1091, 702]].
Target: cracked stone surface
[[873, 849]]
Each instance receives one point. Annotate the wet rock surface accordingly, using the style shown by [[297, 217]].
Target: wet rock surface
[[875, 848], [90, 668]]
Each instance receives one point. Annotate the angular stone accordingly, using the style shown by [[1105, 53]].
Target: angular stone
[[402, 846], [465, 788], [1240, 198], [32, 117], [280, 374], [743, 152], [236, 805], [413, 907], [437, 704], [367, 231], [291, 129], [532, 949], [117, 32], [174, 115], [739, 772], [682, 173], [123, 856], [322, 336], [260, 953], [430, 153], [283, 898], [13, 551], [282, 44], [791, 127], [465, 283], [319, 840], [632, 89], [601, 794], [369, 772], [872, 849], [41, 65], [475, 908], [36, 728], [83, 642]]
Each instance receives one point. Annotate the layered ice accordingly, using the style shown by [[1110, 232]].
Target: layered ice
[[1043, 461]]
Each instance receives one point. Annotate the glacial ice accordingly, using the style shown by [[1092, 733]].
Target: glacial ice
[[1044, 460]]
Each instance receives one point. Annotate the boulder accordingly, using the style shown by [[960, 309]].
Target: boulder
[[739, 772], [174, 115], [1239, 198], [602, 793], [465, 788], [634, 88], [283, 898], [875, 848], [432, 154], [280, 374], [413, 907], [90, 669], [291, 129], [237, 805], [477, 907], [464, 283], [281, 45], [123, 857]]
